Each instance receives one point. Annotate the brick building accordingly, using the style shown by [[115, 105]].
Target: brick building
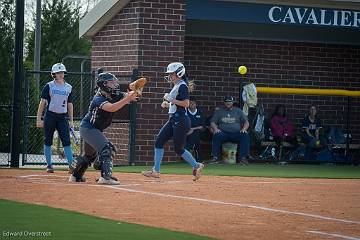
[[302, 44]]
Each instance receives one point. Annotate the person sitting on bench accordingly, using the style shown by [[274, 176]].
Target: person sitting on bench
[[311, 133], [282, 128], [197, 127], [230, 124]]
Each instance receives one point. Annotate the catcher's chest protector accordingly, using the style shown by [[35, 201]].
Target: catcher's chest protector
[[102, 119]]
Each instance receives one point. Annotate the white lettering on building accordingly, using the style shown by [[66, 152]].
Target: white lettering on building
[[356, 19], [324, 17]]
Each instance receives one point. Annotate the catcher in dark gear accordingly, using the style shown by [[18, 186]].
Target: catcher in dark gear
[[97, 148]]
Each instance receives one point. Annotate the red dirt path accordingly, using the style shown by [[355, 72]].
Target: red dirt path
[[219, 207]]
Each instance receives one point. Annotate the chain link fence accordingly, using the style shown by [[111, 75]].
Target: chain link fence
[[33, 138]]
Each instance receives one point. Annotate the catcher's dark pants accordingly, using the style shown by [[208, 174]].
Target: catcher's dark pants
[[94, 141], [56, 121], [176, 128]]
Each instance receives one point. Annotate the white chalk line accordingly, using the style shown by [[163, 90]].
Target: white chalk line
[[119, 187], [37, 176], [334, 235], [41, 175]]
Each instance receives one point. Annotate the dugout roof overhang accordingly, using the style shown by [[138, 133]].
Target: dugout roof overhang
[[326, 21]]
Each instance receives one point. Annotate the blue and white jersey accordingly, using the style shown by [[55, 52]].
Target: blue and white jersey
[[58, 95], [179, 92]]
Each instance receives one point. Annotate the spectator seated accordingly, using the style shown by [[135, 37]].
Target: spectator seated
[[193, 137], [230, 124], [282, 136]]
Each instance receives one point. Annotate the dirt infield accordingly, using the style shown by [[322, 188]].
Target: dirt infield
[[219, 207]]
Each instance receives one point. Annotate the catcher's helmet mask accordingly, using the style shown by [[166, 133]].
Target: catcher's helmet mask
[[102, 81], [175, 67]]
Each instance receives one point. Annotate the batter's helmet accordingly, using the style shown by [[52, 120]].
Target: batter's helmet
[[58, 67], [176, 67]]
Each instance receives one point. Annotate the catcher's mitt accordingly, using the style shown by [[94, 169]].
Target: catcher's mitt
[[138, 85]]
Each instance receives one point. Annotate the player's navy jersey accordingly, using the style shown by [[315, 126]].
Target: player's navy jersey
[[57, 95], [312, 126], [96, 117], [197, 118], [180, 92]]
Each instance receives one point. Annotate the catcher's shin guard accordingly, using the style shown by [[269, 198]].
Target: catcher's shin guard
[[98, 162], [105, 160], [82, 163]]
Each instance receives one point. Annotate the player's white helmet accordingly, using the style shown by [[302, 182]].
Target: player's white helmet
[[176, 67], [58, 67]]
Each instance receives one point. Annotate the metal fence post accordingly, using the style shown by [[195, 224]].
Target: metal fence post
[[132, 134], [25, 118], [17, 81]]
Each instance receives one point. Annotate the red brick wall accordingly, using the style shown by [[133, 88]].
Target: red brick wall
[[115, 48], [213, 64], [146, 35], [162, 35]]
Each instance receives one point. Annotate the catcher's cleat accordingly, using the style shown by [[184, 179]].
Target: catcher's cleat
[[111, 181], [49, 169], [114, 178], [198, 171], [74, 179], [151, 173], [111, 177]]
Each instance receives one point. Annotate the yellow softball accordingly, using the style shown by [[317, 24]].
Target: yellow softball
[[242, 70]]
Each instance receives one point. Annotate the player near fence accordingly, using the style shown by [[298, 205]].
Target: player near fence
[[178, 124], [57, 97], [97, 148]]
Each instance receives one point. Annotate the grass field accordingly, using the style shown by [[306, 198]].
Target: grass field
[[28, 221], [259, 170]]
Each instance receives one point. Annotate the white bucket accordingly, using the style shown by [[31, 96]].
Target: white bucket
[[229, 152]]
